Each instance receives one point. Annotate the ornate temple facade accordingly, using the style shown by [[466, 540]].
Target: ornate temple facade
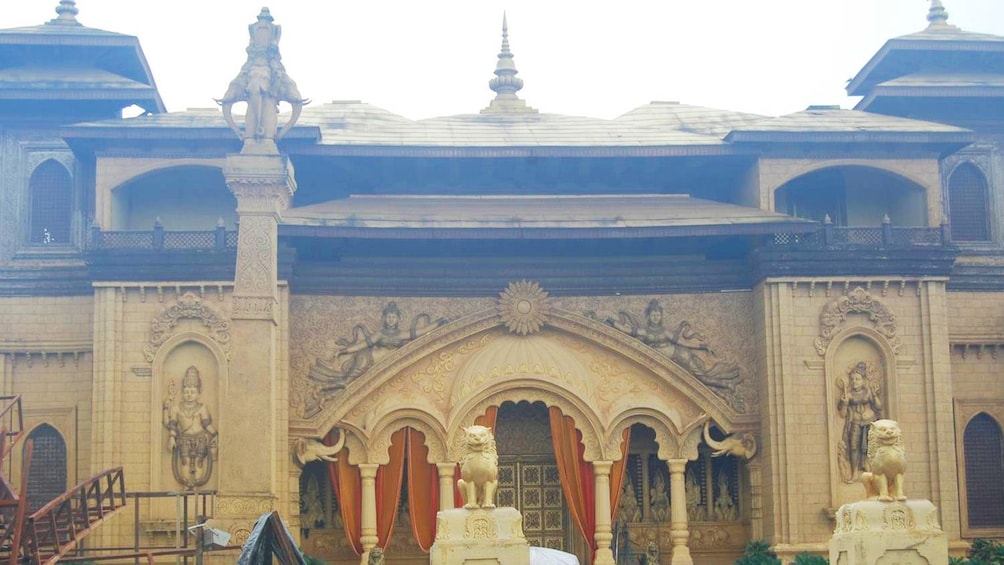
[[679, 322]]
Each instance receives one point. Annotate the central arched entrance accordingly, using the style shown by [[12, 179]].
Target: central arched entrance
[[588, 382]]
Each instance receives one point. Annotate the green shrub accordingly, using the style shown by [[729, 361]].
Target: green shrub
[[986, 552], [758, 553], [809, 559]]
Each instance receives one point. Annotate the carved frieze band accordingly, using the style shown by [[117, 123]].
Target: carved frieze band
[[188, 306], [858, 301], [242, 506]]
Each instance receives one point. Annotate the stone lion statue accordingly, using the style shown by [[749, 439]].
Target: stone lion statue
[[376, 557], [886, 460], [479, 468]]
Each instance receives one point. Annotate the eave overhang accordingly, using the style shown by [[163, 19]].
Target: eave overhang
[[914, 47], [532, 217]]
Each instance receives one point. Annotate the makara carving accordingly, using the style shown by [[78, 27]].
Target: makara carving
[[192, 439], [308, 450], [860, 404], [365, 347], [262, 83], [685, 346], [887, 460], [479, 468], [743, 447]]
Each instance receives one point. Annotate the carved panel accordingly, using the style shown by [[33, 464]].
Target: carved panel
[[857, 301], [189, 306]]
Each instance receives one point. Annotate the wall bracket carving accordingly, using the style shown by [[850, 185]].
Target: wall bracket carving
[[858, 301], [189, 306]]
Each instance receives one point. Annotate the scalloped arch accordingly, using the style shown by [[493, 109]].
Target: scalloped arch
[[364, 402]]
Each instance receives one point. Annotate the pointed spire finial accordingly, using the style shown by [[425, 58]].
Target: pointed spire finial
[[506, 84], [67, 13], [936, 15]]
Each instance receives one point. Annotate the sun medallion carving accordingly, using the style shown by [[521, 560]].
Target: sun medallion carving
[[523, 307]]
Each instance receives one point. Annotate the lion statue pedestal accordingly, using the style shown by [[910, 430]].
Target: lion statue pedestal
[[481, 537], [479, 533], [887, 527]]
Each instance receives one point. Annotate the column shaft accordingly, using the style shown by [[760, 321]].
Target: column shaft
[[678, 531], [603, 534]]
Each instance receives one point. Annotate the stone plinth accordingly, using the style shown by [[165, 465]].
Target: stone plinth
[[479, 537], [871, 532]]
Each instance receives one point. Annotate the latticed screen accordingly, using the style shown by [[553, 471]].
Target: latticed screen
[[51, 204], [984, 468], [47, 472], [967, 203]]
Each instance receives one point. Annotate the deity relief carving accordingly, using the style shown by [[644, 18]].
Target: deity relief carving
[[725, 507], [629, 510], [685, 346], [859, 403], [192, 439], [262, 83], [659, 498], [356, 354]]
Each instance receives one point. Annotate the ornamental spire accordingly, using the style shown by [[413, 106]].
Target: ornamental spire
[[67, 13], [936, 15], [506, 84]]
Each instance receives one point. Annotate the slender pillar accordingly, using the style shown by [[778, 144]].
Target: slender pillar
[[369, 519], [446, 471], [678, 531], [253, 396], [603, 533]]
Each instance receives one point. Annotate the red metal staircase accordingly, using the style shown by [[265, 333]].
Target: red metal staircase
[[50, 532]]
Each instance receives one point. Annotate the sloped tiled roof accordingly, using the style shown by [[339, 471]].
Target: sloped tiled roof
[[839, 125]]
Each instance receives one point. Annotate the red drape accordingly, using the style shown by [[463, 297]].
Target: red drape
[[423, 490], [388, 488], [577, 475], [347, 483], [487, 420]]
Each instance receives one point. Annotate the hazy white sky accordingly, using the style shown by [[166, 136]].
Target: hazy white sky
[[587, 57]]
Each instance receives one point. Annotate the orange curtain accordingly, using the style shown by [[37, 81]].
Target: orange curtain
[[487, 420], [617, 473], [388, 488], [576, 475], [423, 490], [347, 484]]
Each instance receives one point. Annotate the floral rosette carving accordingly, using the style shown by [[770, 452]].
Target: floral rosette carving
[[523, 307]]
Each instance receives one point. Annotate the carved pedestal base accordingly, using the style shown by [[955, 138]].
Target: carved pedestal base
[[479, 537], [879, 533]]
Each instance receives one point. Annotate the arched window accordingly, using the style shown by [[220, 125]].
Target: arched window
[[967, 204], [47, 472], [51, 192], [984, 453]]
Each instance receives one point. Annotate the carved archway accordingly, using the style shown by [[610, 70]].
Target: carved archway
[[597, 375]]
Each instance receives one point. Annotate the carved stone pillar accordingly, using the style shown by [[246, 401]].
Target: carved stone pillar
[[603, 534], [679, 534], [368, 539], [253, 411], [756, 499], [446, 471]]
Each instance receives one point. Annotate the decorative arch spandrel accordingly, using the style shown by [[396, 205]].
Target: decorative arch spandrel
[[858, 301]]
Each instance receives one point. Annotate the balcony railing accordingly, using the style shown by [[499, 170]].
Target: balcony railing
[[830, 236], [159, 239]]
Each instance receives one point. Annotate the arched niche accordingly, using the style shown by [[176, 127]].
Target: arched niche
[[48, 472], [853, 195], [172, 360], [851, 351], [192, 197]]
